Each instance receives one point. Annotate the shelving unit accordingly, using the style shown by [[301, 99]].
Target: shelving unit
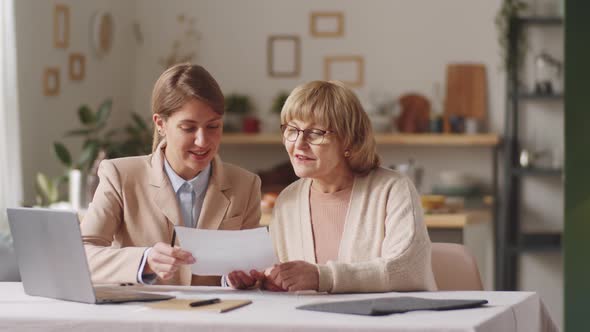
[[475, 140], [511, 240], [453, 221]]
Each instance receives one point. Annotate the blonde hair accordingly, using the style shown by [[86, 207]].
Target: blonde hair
[[178, 85], [332, 105]]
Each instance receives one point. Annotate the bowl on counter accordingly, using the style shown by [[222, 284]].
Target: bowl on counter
[[433, 202]]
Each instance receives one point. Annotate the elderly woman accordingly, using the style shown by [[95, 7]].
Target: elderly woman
[[347, 225]]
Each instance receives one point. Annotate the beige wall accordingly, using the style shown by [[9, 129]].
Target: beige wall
[[405, 47], [45, 119]]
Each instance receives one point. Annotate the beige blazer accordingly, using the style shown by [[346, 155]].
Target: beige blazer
[[135, 206], [385, 244]]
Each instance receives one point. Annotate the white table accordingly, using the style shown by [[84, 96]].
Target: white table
[[506, 311]]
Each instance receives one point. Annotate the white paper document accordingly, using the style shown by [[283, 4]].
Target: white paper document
[[221, 252]]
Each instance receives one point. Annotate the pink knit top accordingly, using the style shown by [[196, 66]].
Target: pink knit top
[[328, 214]]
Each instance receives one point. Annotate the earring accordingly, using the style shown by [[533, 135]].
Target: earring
[[346, 154]]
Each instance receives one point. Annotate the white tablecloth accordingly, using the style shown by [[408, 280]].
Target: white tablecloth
[[506, 312]]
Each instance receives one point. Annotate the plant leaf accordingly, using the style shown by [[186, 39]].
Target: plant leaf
[[79, 132], [131, 130], [88, 155], [111, 133], [86, 116], [139, 121], [42, 185], [104, 110], [90, 141], [64, 178], [53, 194], [63, 154]]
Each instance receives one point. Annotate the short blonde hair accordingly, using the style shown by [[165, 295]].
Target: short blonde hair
[[332, 105], [178, 85]]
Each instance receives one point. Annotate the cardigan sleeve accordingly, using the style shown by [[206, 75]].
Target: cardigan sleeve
[[101, 222], [404, 264]]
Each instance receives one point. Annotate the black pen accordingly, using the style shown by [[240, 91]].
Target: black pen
[[173, 238], [204, 302]]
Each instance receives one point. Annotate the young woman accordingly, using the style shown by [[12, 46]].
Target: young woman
[[129, 225]]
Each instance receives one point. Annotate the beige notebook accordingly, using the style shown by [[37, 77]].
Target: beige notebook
[[184, 304]]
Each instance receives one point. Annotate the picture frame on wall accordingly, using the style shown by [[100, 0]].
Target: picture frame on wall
[[283, 56], [51, 81], [61, 26], [77, 66], [102, 29], [327, 24], [349, 69]]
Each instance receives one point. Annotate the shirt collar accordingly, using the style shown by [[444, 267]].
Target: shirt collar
[[199, 182]]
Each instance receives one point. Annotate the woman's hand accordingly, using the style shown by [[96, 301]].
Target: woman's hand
[[295, 276], [164, 260], [240, 280], [266, 283]]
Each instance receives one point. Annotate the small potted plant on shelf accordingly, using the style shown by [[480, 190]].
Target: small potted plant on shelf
[[237, 108], [272, 122]]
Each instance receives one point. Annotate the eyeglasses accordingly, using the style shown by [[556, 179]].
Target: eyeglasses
[[311, 135]]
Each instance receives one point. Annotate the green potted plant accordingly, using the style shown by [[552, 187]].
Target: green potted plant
[[93, 125], [278, 102], [98, 144], [136, 140], [237, 106], [47, 189], [272, 122]]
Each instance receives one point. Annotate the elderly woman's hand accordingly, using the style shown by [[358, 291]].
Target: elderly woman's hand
[[265, 282], [295, 276]]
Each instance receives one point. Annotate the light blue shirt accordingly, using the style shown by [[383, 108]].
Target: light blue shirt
[[190, 196]]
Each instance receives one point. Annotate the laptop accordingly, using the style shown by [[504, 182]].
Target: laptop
[[52, 261]]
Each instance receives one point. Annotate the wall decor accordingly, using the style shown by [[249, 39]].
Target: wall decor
[[101, 33], [350, 69], [184, 46], [77, 66], [283, 53], [61, 26], [137, 33], [51, 81], [327, 24]]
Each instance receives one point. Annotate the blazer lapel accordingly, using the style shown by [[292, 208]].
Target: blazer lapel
[[216, 203], [308, 247], [164, 196]]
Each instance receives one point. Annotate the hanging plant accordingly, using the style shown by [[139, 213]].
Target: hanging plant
[[504, 19]]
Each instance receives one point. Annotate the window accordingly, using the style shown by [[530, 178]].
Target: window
[[10, 166]]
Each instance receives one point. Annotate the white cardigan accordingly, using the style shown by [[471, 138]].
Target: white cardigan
[[385, 244]]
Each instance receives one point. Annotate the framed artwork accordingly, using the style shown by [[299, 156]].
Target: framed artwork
[[350, 69], [51, 81], [327, 24], [77, 66], [283, 55], [61, 26], [101, 34]]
